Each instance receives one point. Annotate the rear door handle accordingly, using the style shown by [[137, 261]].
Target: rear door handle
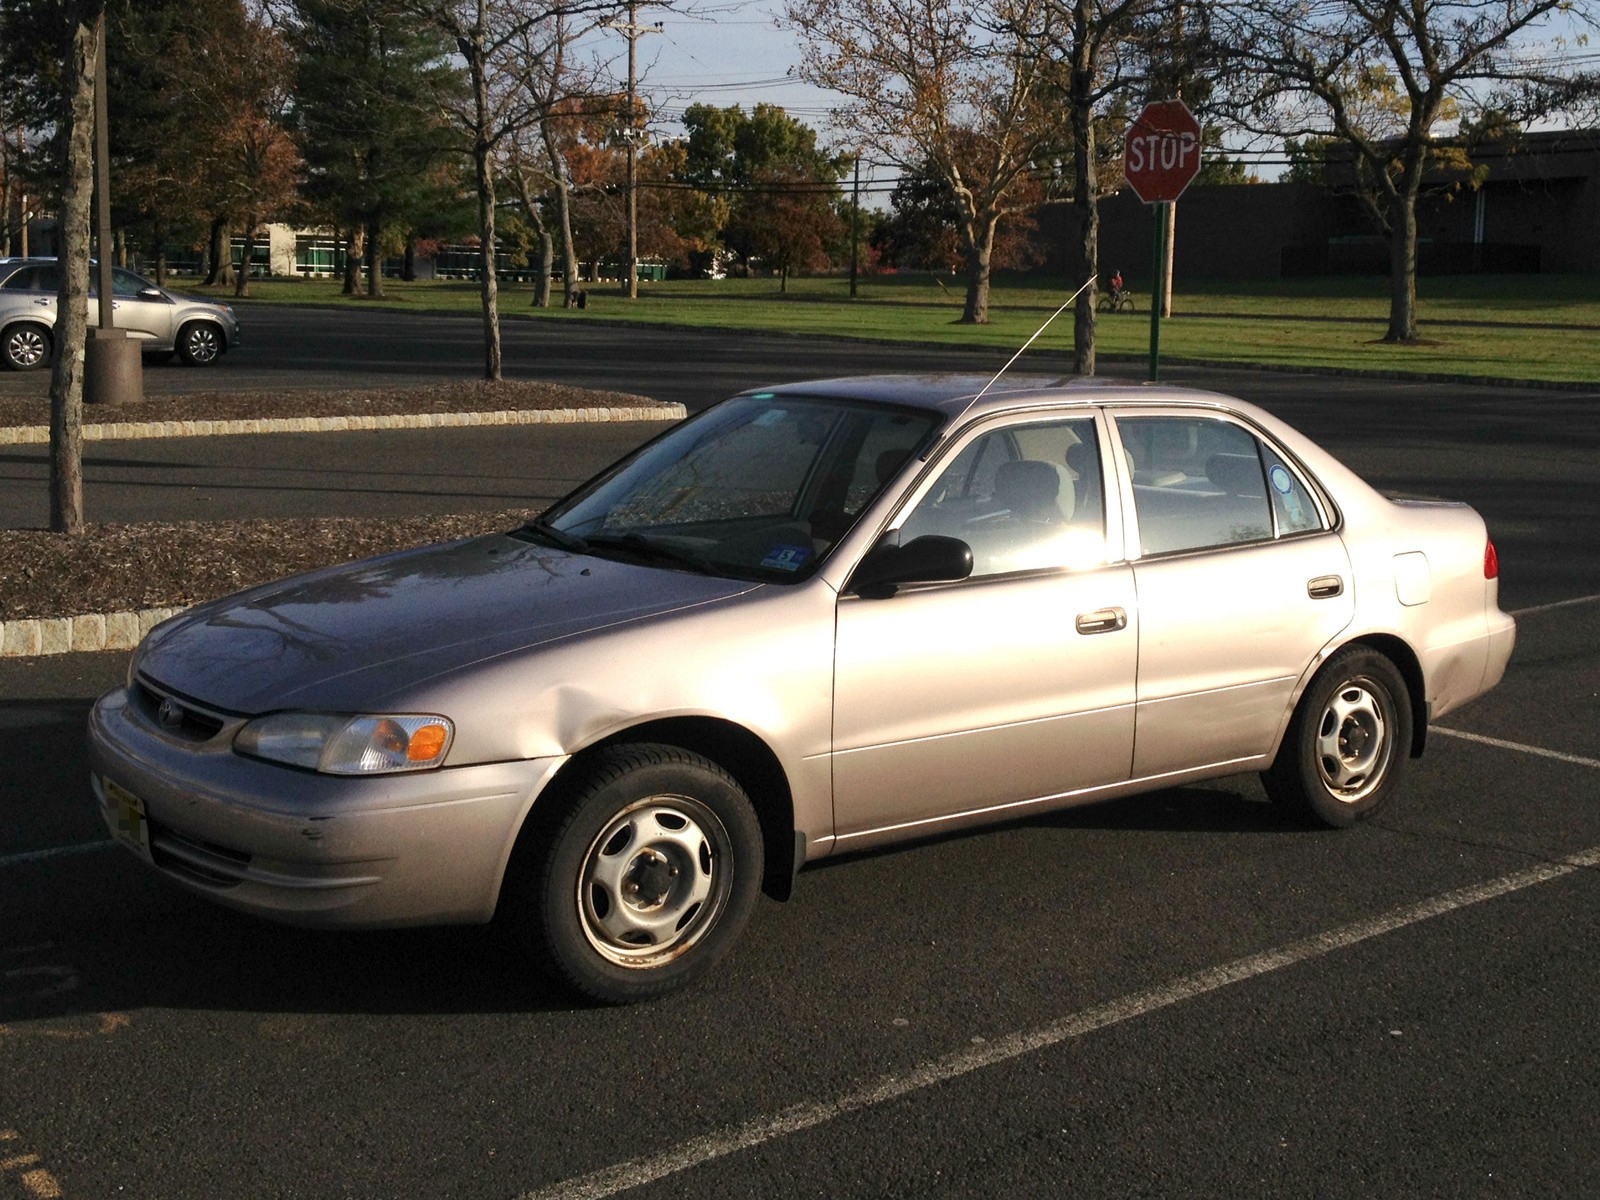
[[1102, 620], [1325, 587]]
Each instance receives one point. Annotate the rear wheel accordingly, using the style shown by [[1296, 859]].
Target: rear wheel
[[199, 343], [27, 347], [641, 880], [1347, 744]]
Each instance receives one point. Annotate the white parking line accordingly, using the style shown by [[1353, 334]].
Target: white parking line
[[33, 856], [1539, 608], [640, 1171], [1559, 756]]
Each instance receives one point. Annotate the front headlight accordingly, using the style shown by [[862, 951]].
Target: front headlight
[[340, 744]]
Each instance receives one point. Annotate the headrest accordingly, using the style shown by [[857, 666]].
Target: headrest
[[1028, 487], [1236, 474]]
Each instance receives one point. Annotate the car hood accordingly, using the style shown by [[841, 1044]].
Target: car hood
[[345, 638]]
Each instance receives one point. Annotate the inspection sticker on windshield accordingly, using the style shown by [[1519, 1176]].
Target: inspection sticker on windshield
[[786, 558], [126, 819]]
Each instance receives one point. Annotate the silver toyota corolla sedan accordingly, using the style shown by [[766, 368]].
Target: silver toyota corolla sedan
[[163, 321], [811, 619]]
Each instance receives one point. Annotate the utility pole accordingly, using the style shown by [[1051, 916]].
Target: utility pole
[[632, 30], [855, 226]]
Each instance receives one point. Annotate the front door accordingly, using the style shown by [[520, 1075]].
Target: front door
[[1012, 687]]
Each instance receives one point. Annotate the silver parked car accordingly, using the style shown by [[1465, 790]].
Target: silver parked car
[[809, 620], [199, 331]]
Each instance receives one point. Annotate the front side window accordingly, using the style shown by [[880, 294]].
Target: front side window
[[126, 283], [757, 487], [1201, 482], [1024, 497]]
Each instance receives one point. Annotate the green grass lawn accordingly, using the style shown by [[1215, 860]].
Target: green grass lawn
[[1226, 321]]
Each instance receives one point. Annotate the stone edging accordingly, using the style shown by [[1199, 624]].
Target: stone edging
[[33, 636], [34, 435]]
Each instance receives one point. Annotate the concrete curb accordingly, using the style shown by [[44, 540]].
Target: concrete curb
[[32, 637], [36, 435]]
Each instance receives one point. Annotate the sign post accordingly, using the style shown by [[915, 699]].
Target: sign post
[[1160, 158]]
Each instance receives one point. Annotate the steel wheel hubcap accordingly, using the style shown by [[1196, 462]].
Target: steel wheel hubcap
[[1352, 742], [654, 881], [26, 348]]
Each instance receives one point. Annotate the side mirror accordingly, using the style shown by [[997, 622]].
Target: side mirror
[[927, 559], [151, 293]]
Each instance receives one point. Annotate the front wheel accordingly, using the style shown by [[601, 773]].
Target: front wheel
[[199, 343], [1348, 741], [641, 880]]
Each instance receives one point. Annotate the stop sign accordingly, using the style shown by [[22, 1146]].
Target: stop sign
[[1162, 153]]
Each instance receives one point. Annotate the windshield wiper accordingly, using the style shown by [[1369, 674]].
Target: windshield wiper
[[637, 543], [556, 537]]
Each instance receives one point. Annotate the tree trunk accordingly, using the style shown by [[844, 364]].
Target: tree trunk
[[547, 259], [409, 271], [158, 234], [72, 308], [979, 251], [241, 286], [352, 265], [558, 170], [374, 259], [1086, 206], [219, 271], [1403, 266]]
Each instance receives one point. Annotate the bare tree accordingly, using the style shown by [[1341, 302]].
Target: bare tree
[[1091, 40], [488, 35], [1382, 77], [965, 86]]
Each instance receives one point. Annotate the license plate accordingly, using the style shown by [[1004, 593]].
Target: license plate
[[125, 815]]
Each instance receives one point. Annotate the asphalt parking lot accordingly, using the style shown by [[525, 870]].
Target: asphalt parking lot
[[1167, 996]]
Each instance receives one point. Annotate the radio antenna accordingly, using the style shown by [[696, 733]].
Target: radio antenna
[[1033, 339]]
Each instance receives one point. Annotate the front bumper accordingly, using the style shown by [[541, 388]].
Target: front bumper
[[424, 848]]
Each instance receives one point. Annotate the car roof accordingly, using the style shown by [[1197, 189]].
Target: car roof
[[955, 395]]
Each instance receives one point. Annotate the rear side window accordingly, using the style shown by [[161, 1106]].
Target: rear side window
[[1202, 482], [30, 279]]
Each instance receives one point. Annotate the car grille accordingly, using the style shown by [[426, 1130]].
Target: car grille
[[204, 862], [175, 715]]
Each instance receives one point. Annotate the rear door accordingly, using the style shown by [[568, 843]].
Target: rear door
[[1241, 582]]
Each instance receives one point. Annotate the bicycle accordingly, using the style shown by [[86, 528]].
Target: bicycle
[[1119, 301]]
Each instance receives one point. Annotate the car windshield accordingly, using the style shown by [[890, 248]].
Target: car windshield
[[758, 487]]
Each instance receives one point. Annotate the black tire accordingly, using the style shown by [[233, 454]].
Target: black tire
[[28, 346], [649, 821], [1348, 743], [1126, 305], [200, 343]]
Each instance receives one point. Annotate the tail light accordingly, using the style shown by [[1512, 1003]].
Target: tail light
[[1491, 561]]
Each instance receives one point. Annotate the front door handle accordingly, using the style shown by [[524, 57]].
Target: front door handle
[[1325, 587], [1102, 620]]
